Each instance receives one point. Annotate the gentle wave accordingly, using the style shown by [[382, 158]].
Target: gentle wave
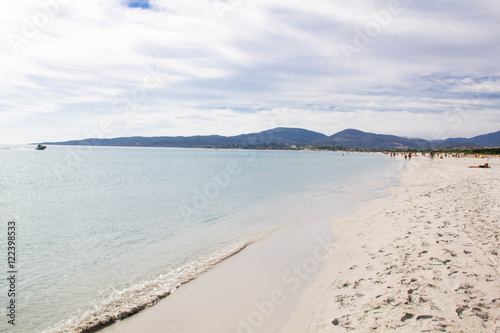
[[124, 303]]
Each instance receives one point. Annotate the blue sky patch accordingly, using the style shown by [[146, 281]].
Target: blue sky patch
[[144, 4]]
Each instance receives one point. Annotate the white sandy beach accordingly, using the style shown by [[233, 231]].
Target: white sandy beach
[[425, 258]]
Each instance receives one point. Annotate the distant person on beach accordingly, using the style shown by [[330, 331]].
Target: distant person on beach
[[485, 165]]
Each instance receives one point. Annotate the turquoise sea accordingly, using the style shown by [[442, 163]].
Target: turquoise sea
[[104, 231]]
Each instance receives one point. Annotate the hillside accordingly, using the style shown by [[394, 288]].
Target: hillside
[[282, 137], [356, 139]]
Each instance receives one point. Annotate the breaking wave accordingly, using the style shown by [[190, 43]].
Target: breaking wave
[[124, 303]]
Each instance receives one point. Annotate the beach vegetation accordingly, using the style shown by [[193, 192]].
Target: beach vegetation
[[475, 151]]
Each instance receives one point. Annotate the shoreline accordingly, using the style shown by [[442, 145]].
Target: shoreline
[[248, 292], [115, 288], [424, 259], [415, 260], [257, 290]]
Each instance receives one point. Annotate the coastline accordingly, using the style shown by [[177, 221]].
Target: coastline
[[424, 259], [125, 260], [420, 259], [258, 289], [253, 291]]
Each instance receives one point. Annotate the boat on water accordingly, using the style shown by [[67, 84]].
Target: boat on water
[[41, 147]]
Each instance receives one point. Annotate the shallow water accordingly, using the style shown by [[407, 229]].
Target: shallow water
[[102, 231]]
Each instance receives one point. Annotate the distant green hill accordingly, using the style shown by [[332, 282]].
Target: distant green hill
[[284, 137]]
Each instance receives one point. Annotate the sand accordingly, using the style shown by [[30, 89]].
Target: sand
[[425, 259]]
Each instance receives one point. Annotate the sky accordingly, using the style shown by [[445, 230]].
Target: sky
[[75, 69]]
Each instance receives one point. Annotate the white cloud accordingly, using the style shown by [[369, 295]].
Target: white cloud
[[68, 64]]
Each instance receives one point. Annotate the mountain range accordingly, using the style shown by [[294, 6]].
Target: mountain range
[[282, 137]]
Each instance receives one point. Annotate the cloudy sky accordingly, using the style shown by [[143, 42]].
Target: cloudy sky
[[72, 69]]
